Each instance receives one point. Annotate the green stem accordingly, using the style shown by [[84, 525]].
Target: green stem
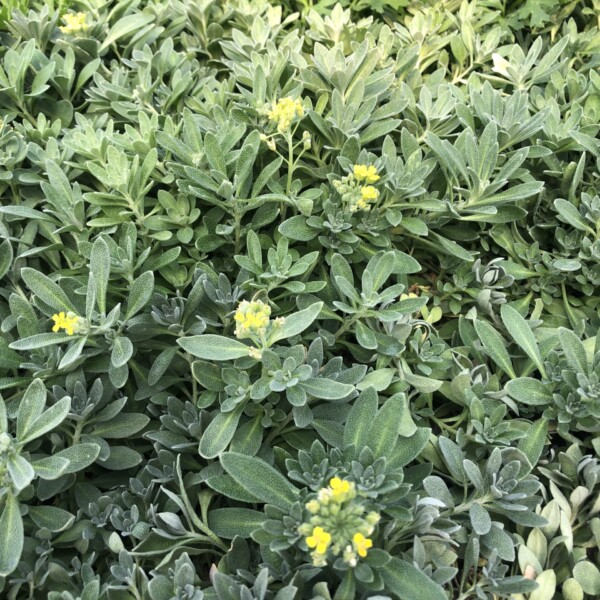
[[290, 174], [280, 427], [348, 324], [77, 434]]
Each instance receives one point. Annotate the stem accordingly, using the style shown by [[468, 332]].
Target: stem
[[78, 430], [279, 428], [290, 161], [347, 324], [238, 232]]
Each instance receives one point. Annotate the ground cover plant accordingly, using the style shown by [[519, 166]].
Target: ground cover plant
[[299, 300]]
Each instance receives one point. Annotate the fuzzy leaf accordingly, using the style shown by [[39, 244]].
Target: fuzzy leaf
[[260, 479]]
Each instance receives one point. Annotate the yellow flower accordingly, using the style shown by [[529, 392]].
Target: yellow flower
[[369, 193], [284, 111], [339, 487], [366, 173], [74, 23], [252, 318], [69, 322], [361, 544], [319, 540]]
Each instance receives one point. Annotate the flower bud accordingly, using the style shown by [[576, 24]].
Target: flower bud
[[306, 140], [5, 442]]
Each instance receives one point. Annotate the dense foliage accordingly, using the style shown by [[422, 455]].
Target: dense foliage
[[299, 300]]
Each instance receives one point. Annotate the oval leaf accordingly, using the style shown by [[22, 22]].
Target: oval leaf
[[260, 479], [213, 347]]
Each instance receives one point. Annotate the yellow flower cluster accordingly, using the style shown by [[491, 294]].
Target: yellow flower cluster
[[284, 111], [252, 318], [339, 524], [69, 322], [365, 173], [367, 194], [356, 189], [74, 23]]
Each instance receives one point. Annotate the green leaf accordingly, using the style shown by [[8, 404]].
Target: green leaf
[[124, 26], [59, 192], [379, 379], [409, 448], [218, 434], [385, 426], [574, 350], [121, 458], [122, 351], [326, 389], [520, 331], [228, 523], [213, 347], [123, 426], [295, 228], [378, 129], [532, 444], [546, 581], [331, 431], [407, 582], [425, 385], [73, 353], [453, 457], [569, 214], [529, 391], [51, 517], [47, 421], [512, 194], [450, 247], [480, 519], [100, 271], [263, 179], [31, 407], [208, 375], [248, 438], [244, 164], [6, 257], [80, 456], [494, 346], [260, 479], [297, 322], [365, 336], [379, 268], [161, 364], [226, 486], [341, 268], [586, 574], [11, 535], [51, 467], [40, 340], [405, 264], [47, 290], [140, 293], [21, 473], [498, 539], [214, 154], [360, 418], [25, 213]]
